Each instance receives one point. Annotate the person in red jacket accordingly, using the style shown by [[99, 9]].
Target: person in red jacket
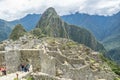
[[3, 70]]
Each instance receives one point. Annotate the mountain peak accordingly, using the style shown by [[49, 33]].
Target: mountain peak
[[49, 13], [49, 16], [51, 9], [52, 25]]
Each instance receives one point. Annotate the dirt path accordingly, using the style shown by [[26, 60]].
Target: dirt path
[[13, 75]]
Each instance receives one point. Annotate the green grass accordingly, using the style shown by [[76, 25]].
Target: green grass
[[117, 78], [115, 68], [30, 78], [15, 78], [71, 44]]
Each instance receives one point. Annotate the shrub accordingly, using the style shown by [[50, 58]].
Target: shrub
[[115, 68], [117, 78]]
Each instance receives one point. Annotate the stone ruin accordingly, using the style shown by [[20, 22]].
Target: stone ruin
[[53, 62]]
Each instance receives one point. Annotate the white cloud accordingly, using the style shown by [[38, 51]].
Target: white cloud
[[15, 9]]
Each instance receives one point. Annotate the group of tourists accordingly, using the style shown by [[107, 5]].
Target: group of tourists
[[24, 68]]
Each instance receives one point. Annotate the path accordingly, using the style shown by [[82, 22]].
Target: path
[[13, 75]]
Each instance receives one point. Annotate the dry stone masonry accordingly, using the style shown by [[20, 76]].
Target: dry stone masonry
[[54, 59]]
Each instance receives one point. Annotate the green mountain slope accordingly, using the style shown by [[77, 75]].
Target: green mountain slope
[[52, 25], [114, 54], [5, 29], [17, 32], [112, 45], [112, 42]]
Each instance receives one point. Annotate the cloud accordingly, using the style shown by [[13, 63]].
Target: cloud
[[15, 9]]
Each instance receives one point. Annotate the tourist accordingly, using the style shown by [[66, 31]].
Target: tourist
[[16, 77], [22, 67], [27, 67], [3, 70], [0, 71]]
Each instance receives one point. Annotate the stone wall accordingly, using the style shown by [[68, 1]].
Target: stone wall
[[31, 56], [105, 75], [48, 64], [52, 63], [37, 58], [12, 59], [2, 58], [43, 76], [40, 61], [82, 73]]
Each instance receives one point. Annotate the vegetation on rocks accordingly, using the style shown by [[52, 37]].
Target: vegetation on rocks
[[113, 65], [117, 78], [38, 33], [17, 32]]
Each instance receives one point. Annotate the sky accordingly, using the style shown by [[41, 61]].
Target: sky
[[16, 9]]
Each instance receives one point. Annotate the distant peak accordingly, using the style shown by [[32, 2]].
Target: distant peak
[[50, 10], [48, 16]]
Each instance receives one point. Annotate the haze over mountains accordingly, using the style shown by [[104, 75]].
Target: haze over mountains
[[5, 29], [105, 28], [50, 24], [28, 21], [100, 26]]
